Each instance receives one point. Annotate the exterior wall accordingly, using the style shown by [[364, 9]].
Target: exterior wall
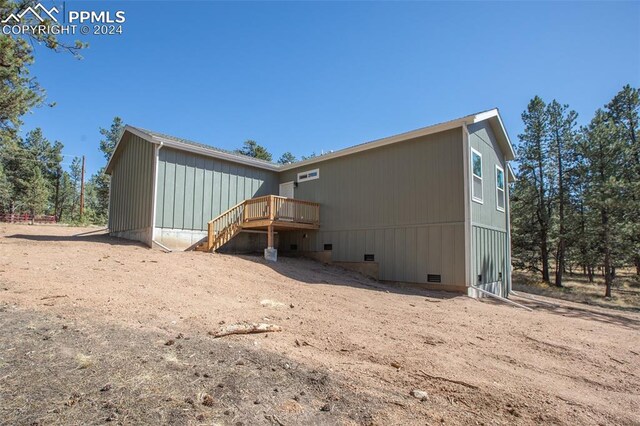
[[489, 240], [404, 203], [193, 189], [130, 197]]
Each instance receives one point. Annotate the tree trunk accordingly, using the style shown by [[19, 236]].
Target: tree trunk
[[57, 199], [637, 265], [607, 252], [544, 251]]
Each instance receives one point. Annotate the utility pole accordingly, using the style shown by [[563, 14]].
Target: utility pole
[[82, 189]]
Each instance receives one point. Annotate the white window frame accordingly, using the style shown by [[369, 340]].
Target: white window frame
[[498, 189], [306, 174], [473, 175]]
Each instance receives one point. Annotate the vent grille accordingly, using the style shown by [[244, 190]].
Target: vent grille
[[328, 246], [294, 247], [369, 257], [434, 278]]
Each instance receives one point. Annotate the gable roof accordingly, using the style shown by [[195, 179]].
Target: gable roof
[[492, 115]]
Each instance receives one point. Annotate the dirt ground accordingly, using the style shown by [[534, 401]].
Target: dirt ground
[[95, 330]]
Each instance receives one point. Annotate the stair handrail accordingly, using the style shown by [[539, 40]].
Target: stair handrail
[[227, 219]]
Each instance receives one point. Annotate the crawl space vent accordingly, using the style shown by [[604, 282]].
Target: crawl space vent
[[369, 258], [328, 246], [434, 278], [294, 247]]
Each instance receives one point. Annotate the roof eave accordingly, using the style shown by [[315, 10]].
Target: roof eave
[[494, 118]]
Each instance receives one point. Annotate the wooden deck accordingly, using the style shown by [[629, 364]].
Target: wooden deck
[[269, 213]]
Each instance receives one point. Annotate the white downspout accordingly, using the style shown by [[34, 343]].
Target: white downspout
[[156, 158]]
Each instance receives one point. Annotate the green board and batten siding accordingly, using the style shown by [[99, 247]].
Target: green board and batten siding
[[489, 225], [403, 203], [193, 189], [131, 193]]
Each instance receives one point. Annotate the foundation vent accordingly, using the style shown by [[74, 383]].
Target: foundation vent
[[434, 278], [369, 257], [328, 246], [294, 247]]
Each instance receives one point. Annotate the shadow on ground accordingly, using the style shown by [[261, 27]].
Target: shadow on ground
[[97, 236], [577, 312], [314, 272]]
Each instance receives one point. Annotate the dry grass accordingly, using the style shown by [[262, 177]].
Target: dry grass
[[577, 288], [132, 377]]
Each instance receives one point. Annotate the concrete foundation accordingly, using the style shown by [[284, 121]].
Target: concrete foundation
[[495, 288], [181, 239], [143, 235], [271, 254]]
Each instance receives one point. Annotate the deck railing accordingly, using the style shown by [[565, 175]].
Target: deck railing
[[273, 207], [227, 222], [269, 208]]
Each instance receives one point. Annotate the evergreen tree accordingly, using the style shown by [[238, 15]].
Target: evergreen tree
[[532, 199], [287, 158], [624, 111], [604, 158], [5, 190], [251, 148], [100, 181], [562, 135], [35, 197], [111, 137]]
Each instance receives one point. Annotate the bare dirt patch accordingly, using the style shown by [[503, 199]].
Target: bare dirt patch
[[95, 329]]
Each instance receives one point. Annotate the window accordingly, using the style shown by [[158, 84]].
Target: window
[[499, 188], [476, 168], [309, 175]]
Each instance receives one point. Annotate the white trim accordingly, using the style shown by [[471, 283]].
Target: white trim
[[468, 205], [306, 175], [508, 239], [480, 199], [498, 189]]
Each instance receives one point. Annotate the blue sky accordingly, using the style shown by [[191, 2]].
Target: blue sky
[[314, 76]]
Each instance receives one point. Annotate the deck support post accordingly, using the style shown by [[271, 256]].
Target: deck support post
[[270, 236]]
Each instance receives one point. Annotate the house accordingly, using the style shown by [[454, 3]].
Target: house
[[430, 206]]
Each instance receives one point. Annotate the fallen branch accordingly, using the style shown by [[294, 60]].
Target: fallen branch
[[458, 382], [53, 297], [244, 328]]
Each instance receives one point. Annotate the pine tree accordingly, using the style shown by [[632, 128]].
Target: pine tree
[[5, 190], [562, 135], [287, 158], [100, 181], [251, 148], [111, 137], [35, 197], [532, 200], [602, 153], [624, 110]]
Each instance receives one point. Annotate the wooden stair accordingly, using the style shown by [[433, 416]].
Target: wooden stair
[[223, 228], [267, 212]]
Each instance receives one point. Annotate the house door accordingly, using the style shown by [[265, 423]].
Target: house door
[[286, 189], [286, 209]]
